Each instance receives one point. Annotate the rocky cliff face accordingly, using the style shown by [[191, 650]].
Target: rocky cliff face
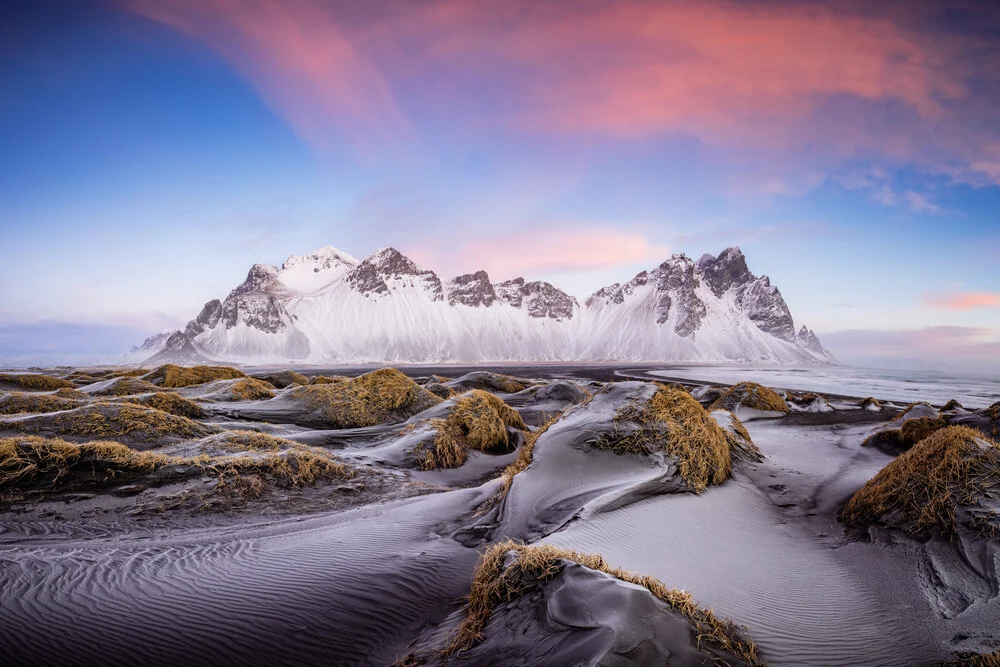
[[328, 306]]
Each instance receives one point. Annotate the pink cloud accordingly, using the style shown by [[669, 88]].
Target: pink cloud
[[531, 252], [303, 63], [964, 300], [771, 77]]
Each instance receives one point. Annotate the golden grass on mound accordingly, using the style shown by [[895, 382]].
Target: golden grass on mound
[[923, 486], [115, 420], [507, 384], [36, 382], [751, 395], [175, 377], [127, 386], [251, 389], [169, 401], [74, 394], [366, 400], [869, 402], [31, 459], [128, 373], [31, 403], [951, 405], [284, 379], [498, 580], [910, 433], [674, 421], [254, 441], [478, 421], [328, 379], [983, 660]]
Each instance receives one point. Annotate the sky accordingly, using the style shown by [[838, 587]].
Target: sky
[[151, 151]]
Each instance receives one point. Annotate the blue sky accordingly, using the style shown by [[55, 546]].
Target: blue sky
[[153, 151]]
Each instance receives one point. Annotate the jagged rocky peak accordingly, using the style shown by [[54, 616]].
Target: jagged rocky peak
[[209, 316], [471, 289], [179, 347], [807, 338], [260, 279], [723, 272], [326, 257], [374, 275], [154, 342], [541, 299]]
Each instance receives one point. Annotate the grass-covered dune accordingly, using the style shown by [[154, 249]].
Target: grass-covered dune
[[521, 584], [930, 489], [171, 376], [477, 421], [752, 396], [34, 382]]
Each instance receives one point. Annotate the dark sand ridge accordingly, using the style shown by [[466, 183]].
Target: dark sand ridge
[[357, 587]]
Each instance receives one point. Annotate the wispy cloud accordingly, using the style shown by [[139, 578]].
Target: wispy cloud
[[536, 251], [301, 60], [963, 300]]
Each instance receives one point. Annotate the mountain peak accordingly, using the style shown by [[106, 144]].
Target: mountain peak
[[471, 289], [369, 277]]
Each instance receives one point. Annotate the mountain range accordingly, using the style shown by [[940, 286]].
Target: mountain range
[[328, 307]]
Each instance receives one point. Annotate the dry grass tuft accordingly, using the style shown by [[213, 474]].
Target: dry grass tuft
[[31, 403], [951, 405], [751, 395], [251, 389], [254, 441], [508, 571], [498, 382], [29, 460], [366, 400], [910, 433], [127, 386], [328, 379], [113, 421], [869, 402], [741, 445], [923, 487], [129, 373], [36, 382], [674, 421], [478, 421], [74, 394], [983, 660], [169, 401], [175, 377], [284, 379]]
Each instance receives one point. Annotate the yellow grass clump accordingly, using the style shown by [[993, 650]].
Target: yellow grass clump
[[127, 386], [175, 377], [169, 401], [74, 394], [983, 660], [328, 379], [114, 420], [128, 373], [923, 486], [478, 421], [751, 395], [869, 402], [32, 403], [951, 405], [910, 433], [284, 379], [366, 400], [36, 381], [254, 441], [508, 571], [30, 460], [507, 384], [251, 389], [674, 421]]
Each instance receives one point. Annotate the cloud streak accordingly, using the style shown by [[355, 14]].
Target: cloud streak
[[538, 251], [774, 77], [963, 300]]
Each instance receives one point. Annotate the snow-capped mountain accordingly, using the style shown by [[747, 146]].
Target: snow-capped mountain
[[328, 307]]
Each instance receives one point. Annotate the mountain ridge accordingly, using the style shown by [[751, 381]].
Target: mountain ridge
[[329, 307]]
